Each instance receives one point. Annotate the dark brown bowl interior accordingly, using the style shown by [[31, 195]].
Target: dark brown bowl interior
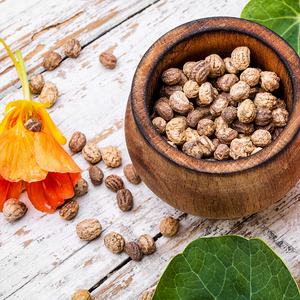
[[196, 45]]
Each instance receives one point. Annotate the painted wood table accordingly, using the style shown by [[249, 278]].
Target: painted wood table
[[41, 256]]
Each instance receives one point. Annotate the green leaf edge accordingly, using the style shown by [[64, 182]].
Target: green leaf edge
[[245, 15], [225, 236], [243, 11]]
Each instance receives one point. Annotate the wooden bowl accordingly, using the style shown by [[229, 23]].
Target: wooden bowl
[[218, 190]]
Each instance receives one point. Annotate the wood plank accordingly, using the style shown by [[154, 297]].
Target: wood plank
[[277, 226], [38, 27], [53, 255], [92, 99], [59, 260]]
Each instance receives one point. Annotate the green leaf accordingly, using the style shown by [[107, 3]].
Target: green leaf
[[283, 17], [227, 267]]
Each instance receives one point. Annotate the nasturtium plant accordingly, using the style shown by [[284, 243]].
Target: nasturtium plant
[[281, 16], [227, 267]]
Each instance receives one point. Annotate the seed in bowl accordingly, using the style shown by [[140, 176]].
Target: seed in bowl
[[219, 109]]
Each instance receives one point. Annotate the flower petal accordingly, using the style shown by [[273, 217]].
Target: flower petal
[[9, 190], [36, 195], [51, 190], [50, 193], [17, 161], [51, 156], [6, 122], [50, 127], [4, 187], [15, 190], [15, 104], [74, 177], [62, 184]]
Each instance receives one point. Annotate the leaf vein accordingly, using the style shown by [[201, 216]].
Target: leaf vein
[[290, 7], [199, 278], [264, 10], [286, 289], [290, 28]]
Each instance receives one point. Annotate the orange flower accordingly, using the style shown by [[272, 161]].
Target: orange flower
[[35, 160]]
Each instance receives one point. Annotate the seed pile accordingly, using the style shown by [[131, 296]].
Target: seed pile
[[219, 109]]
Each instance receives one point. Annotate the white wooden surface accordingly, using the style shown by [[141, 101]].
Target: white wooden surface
[[41, 256]]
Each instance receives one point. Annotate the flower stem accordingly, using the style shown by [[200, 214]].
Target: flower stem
[[25, 83], [13, 59], [20, 69]]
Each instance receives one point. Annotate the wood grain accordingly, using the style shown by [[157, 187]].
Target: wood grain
[[45, 26], [41, 253], [270, 225]]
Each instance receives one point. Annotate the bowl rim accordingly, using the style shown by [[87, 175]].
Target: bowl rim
[[150, 59]]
